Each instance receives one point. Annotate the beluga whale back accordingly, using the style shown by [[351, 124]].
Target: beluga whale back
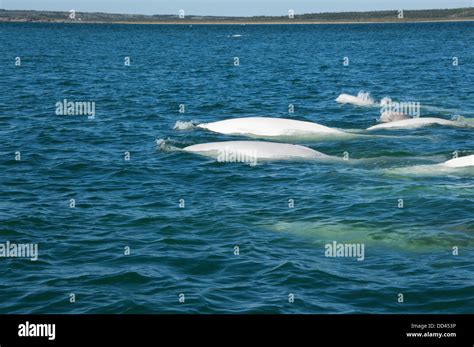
[[465, 161], [412, 123], [242, 151], [268, 127], [362, 99], [461, 165]]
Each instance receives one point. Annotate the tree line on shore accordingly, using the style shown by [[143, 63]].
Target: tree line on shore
[[401, 15]]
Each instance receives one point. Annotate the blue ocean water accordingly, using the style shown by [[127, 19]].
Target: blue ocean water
[[136, 204]]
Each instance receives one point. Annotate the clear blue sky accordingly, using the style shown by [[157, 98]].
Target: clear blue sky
[[228, 7]]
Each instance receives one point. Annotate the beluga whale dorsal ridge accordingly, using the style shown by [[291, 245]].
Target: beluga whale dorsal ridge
[[249, 151], [412, 123], [269, 127]]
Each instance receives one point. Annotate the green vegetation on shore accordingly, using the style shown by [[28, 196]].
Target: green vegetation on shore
[[371, 16]]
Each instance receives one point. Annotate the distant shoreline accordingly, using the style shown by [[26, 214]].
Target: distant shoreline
[[368, 17], [249, 22]]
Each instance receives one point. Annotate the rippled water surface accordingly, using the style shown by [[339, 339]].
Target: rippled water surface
[[190, 250]]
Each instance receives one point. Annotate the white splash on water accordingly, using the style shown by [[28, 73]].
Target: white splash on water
[[181, 125], [165, 145], [362, 99]]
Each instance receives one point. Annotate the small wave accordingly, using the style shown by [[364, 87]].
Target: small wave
[[166, 146], [463, 120], [441, 110], [180, 125]]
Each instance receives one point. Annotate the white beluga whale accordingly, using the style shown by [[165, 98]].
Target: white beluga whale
[[412, 123], [322, 232], [252, 151], [465, 161], [268, 127], [460, 165], [362, 99]]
